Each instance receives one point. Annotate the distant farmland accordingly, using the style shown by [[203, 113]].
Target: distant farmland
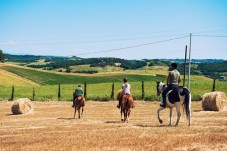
[[99, 86]]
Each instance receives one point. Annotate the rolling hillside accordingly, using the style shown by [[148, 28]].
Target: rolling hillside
[[50, 78], [8, 78]]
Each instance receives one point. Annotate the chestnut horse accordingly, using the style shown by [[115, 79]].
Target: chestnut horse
[[79, 103], [126, 104]]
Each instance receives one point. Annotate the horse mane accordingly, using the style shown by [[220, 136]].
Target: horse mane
[[120, 94]]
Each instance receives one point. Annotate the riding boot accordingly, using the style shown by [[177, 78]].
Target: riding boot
[[74, 103], [118, 106], [163, 103]]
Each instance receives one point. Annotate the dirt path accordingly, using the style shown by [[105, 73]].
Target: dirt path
[[51, 127]]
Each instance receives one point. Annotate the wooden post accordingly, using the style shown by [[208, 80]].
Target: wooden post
[[214, 84], [59, 92], [143, 90], [185, 59], [12, 95], [33, 94], [112, 92], [85, 89]]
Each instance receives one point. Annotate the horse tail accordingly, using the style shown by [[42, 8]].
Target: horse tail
[[130, 101], [187, 102]]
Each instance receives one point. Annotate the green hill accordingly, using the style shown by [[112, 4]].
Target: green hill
[[49, 78]]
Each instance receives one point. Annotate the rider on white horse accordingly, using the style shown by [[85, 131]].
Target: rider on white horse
[[173, 81]]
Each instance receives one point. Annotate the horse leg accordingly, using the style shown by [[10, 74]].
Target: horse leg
[[79, 112], [170, 115], [125, 115], [129, 111], [74, 112], [122, 115], [178, 113], [82, 111], [159, 119]]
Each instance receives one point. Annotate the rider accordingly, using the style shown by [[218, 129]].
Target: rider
[[126, 88], [78, 92], [173, 81]]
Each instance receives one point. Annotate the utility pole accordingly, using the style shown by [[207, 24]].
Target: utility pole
[[189, 61], [185, 60]]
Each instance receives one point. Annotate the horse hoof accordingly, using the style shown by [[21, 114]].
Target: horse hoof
[[122, 120], [160, 121]]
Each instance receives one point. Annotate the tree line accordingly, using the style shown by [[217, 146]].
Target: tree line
[[213, 68]]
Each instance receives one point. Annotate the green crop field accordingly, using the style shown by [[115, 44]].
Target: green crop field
[[99, 86], [48, 78]]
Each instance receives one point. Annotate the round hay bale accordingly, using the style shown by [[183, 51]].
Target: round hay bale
[[214, 101], [22, 106]]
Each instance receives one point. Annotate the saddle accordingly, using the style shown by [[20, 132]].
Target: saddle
[[173, 95], [78, 100]]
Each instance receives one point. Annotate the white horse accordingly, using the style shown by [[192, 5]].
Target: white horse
[[185, 98]]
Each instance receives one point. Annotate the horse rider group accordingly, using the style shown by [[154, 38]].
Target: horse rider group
[[173, 81]]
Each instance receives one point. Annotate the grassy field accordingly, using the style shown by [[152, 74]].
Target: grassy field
[[99, 86], [9, 79], [49, 78], [51, 127]]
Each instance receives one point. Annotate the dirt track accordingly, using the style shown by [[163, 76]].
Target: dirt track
[[51, 127]]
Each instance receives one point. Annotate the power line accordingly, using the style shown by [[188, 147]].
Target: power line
[[91, 41], [209, 36], [151, 43]]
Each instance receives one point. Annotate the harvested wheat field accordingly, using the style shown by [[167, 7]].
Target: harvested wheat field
[[51, 127]]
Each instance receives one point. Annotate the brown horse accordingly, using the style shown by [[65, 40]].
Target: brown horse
[[126, 104], [78, 104]]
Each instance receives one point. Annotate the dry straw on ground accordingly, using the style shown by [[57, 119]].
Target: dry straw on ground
[[214, 101], [22, 106]]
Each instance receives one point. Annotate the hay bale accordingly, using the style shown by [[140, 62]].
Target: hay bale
[[22, 106], [214, 101]]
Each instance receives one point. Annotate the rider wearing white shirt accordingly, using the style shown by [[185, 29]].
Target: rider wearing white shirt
[[126, 88]]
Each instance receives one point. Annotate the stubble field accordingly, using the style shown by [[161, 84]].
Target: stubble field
[[51, 127]]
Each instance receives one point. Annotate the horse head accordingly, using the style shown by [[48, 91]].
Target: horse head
[[160, 87]]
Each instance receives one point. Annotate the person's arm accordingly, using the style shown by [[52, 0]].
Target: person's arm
[[179, 79], [168, 79], [82, 91]]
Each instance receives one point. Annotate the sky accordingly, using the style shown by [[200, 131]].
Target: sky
[[129, 29]]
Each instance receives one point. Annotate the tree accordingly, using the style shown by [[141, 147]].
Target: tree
[[1, 56]]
